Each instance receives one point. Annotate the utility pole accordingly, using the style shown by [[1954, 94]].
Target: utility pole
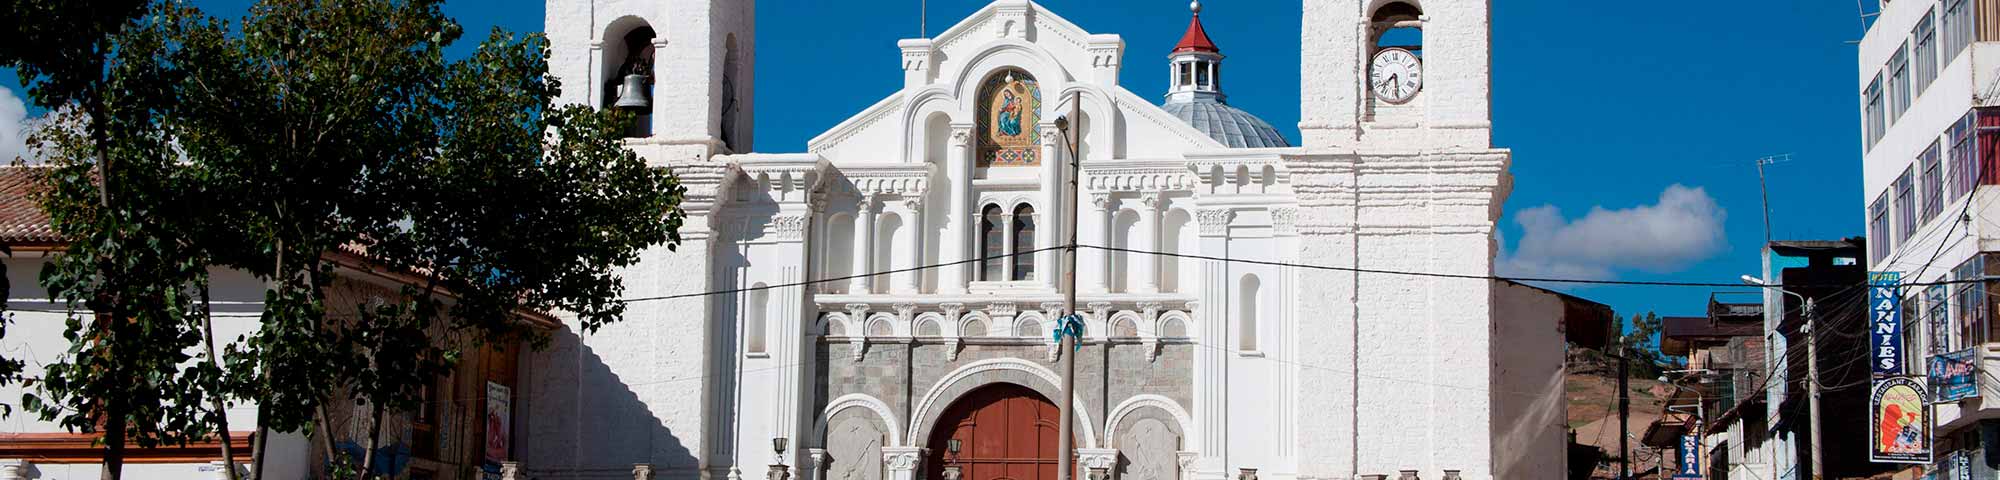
[[1812, 385], [1624, 416], [1067, 348]]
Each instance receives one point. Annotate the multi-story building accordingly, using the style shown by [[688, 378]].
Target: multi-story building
[[1928, 87]]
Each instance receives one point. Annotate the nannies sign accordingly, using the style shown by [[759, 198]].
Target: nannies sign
[[1886, 322]]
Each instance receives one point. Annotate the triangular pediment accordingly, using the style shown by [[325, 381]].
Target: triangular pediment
[[942, 75]]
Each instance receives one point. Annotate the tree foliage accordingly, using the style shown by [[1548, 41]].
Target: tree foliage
[[1641, 343], [315, 127]]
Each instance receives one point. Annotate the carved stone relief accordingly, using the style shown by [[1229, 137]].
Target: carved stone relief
[[855, 443]]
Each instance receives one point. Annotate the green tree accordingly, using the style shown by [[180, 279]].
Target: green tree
[[317, 125], [112, 193], [1641, 343], [463, 170]]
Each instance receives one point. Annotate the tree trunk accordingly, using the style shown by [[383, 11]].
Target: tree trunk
[[257, 445], [215, 391], [374, 434], [325, 432]]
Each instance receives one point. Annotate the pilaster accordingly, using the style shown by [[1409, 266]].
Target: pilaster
[[1211, 402], [961, 219]]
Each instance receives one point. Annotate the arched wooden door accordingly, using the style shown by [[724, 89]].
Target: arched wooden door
[[1005, 432]]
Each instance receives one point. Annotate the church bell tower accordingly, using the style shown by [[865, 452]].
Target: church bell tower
[[682, 66]]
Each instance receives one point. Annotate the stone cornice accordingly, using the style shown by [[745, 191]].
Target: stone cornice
[[1151, 176], [906, 179]]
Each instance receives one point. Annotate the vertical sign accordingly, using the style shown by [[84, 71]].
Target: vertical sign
[[1900, 423], [499, 416], [1885, 326], [1690, 464]]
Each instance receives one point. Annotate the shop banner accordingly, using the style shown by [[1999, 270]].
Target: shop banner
[[1885, 327], [1952, 376], [499, 415], [1900, 423], [1690, 464]]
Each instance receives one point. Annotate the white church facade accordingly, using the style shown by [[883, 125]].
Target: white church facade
[[890, 292]]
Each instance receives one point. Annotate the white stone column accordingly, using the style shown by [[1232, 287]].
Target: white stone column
[[818, 464], [1048, 218], [864, 248], [1147, 232], [903, 462], [13, 469], [1007, 238], [960, 227], [913, 241], [1211, 372], [818, 241], [1094, 263], [1097, 462]]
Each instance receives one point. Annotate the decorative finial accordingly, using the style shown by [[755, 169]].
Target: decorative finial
[[1195, 6]]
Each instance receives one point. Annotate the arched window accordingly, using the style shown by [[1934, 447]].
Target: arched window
[[992, 246], [1024, 241], [632, 57], [1399, 25], [1009, 107], [754, 305], [1246, 314]]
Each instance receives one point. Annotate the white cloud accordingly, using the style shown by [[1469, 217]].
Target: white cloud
[[13, 127], [1684, 227]]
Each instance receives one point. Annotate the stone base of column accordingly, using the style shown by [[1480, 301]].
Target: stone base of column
[[903, 462]]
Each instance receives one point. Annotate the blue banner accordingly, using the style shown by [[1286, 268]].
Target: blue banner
[[1952, 376], [1690, 464], [1885, 327]]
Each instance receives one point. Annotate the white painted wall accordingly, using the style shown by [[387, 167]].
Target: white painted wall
[[36, 337], [1530, 412]]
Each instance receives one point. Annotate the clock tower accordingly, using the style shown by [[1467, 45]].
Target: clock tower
[[1397, 172], [1349, 47]]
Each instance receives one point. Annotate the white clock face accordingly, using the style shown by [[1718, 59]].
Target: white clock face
[[1395, 75]]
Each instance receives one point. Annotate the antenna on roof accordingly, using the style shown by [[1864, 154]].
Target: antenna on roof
[[923, 18], [1761, 162]]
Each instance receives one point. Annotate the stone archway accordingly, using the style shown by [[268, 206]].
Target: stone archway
[[1005, 432]]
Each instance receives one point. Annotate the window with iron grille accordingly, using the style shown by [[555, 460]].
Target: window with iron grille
[[1930, 192]]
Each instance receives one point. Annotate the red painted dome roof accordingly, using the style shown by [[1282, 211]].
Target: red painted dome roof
[[1196, 39]]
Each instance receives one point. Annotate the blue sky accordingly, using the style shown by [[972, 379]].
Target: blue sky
[[1606, 105]]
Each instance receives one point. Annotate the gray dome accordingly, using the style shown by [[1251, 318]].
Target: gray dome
[[1230, 125]]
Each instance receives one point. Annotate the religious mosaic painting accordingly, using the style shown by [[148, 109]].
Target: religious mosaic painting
[[1009, 106]]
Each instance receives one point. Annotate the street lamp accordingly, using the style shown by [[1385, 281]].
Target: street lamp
[[779, 471], [1812, 364]]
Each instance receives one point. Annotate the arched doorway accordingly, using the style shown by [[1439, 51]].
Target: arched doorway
[[1005, 432]]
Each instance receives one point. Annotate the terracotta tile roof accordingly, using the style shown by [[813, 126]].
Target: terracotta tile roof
[[21, 218]]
